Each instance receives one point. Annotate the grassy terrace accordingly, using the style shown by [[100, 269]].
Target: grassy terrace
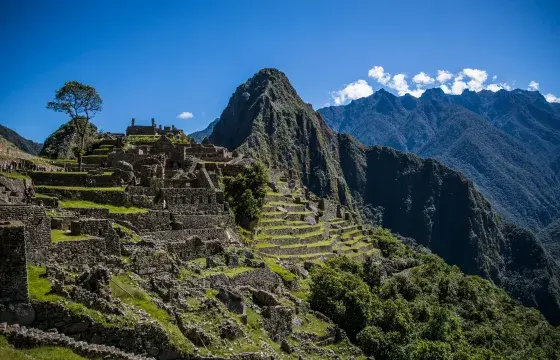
[[14, 175], [61, 236], [37, 353], [134, 237], [81, 188], [62, 173], [82, 204], [94, 156]]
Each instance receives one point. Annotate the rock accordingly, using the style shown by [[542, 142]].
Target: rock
[[232, 299], [308, 265], [96, 280], [229, 329], [123, 165], [286, 347], [197, 336], [278, 321], [264, 298]]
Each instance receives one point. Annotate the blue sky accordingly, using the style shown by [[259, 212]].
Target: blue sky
[[162, 58]]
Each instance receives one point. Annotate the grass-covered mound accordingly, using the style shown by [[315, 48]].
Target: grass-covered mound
[[412, 305]]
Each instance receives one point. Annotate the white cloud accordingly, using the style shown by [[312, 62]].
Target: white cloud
[[443, 76], [498, 87], [185, 115], [551, 98], [533, 86], [458, 86], [423, 79], [475, 74], [494, 77], [352, 91], [378, 73], [445, 88]]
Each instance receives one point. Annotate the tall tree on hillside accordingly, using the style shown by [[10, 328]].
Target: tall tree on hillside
[[81, 102]]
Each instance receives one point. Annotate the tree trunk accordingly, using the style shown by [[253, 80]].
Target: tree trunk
[[80, 155]]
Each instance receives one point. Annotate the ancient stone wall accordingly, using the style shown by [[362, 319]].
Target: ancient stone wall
[[151, 221], [104, 229], [183, 235], [194, 248], [80, 252], [13, 264], [141, 130], [70, 179], [202, 221], [37, 229], [119, 198]]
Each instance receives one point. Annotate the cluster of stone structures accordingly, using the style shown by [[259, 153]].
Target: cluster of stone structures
[[148, 210]]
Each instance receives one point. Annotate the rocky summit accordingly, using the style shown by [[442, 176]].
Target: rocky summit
[[273, 238]]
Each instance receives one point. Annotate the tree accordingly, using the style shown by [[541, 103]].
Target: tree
[[246, 192], [81, 102]]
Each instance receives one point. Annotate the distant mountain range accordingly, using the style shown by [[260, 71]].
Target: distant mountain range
[[200, 135], [507, 142], [20, 142], [418, 198]]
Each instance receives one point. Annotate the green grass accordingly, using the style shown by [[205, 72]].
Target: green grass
[[140, 299], [61, 236], [82, 204], [14, 175], [134, 237], [40, 290], [37, 353], [38, 195], [94, 156], [82, 188], [284, 274]]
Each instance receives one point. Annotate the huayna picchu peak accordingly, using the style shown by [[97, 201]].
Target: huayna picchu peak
[[273, 237]]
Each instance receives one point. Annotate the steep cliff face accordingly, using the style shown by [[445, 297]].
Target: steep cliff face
[[442, 210], [418, 198], [266, 119]]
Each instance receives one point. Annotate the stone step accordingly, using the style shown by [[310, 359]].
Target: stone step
[[290, 216], [297, 249], [276, 206], [289, 230], [291, 240]]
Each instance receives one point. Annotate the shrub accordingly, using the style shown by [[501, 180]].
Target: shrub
[[246, 192]]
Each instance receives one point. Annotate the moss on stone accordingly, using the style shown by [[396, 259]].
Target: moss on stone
[[284, 273]]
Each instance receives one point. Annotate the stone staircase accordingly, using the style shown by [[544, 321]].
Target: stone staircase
[[292, 229]]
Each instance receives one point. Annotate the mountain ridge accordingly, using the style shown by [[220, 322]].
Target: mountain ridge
[[504, 141], [418, 198], [19, 141]]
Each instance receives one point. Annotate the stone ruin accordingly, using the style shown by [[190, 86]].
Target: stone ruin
[[183, 217]]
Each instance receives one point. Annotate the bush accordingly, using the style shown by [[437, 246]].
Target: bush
[[342, 296], [246, 193]]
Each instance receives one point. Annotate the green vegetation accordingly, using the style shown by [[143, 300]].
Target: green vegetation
[[246, 192], [412, 305], [81, 103], [38, 353], [284, 274], [124, 288], [134, 237], [61, 235], [72, 204], [81, 188], [14, 175]]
